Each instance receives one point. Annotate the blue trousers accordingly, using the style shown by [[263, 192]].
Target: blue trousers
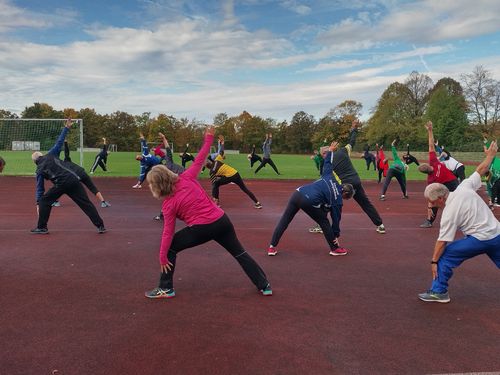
[[458, 251]]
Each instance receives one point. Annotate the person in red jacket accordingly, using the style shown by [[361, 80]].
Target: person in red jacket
[[185, 199], [436, 172], [382, 162]]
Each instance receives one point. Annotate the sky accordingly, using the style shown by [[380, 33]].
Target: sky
[[271, 58]]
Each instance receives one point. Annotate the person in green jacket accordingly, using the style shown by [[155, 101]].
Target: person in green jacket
[[396, 169], [493, 181]]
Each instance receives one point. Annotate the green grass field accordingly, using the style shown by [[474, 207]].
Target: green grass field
[[123, 164]]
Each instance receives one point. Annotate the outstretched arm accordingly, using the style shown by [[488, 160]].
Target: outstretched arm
[[428, 126], [56, 149], [490, 155], [195, 168], [144, 145]]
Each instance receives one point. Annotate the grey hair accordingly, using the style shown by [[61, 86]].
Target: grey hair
[[435, 191], [36, 155]]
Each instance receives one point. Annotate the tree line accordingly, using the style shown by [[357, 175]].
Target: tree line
[[462, 112]]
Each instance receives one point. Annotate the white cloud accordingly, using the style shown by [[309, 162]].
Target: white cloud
[[425, 21]]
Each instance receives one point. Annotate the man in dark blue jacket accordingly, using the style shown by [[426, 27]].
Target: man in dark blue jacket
[[66, 181], [317, 200]]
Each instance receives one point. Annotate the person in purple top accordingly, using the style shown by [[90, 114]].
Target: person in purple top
[[185, 199]]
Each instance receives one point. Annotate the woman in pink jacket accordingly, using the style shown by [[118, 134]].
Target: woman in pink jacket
[[184, 199]]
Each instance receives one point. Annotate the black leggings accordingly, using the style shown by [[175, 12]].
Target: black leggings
[[369, 160], [300, 202], [77, 193], [400, 176], [221, 231], [264, 162], [99, 161], [495, 192], [361, 198], [254, 158], [460, 173], [236, 178]]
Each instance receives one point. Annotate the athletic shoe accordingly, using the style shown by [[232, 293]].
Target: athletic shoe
[[381, 229], [406, 197], [91, 172], [56, 204], [338, 251], [272, 251], [267, 291], [315, 230], [158, 217], [257, 205], [40, 231], [101, 229], [105, 204], [431, 296], [426, 224], [160, 293], [137, 186], [382, 198]]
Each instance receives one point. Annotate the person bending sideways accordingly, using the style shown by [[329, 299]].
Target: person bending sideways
[[382, 163], [457, 168], [397, 170], [316, 200], [186, 156], [147, 162], [342, 166], [185, 199], [101, 158], [409, 158], [266, 155], [369, 158], [436, 172], [2, 164], [65, 181], [466, 211], [493, 179], [253, 157], [223, 174]]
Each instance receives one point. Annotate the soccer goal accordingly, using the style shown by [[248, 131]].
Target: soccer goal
[[20, 137]]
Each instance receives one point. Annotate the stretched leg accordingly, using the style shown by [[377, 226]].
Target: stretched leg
[[458, 251], [400, 176], [66, 152], [291, 210], [361, 198], [45, 205], [219, 181], [388, 178], [96, 163], [226, 237], [184, 239], [271, 163], [102, 165], [262, 164], [321, 217], [380, 172], [78, 194], [239, 181]]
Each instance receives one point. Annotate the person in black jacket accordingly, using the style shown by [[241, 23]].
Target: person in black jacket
[[2, 164], [101, 158], [342, 166]]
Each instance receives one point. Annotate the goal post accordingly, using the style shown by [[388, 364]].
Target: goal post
[[20, 137]]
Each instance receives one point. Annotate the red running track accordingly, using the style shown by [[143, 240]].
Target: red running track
[[72, 302]]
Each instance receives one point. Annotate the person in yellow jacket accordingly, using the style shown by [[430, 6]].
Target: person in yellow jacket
[[223, 174]]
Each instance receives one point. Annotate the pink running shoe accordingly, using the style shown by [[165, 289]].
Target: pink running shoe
[[338, 251], [272, 251]]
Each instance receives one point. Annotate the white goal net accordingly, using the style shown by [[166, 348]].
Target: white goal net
[[20, 137]]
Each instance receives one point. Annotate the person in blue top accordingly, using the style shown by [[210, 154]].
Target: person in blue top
[[65, 181], [266, 155], [317, 200], [397, 170], [147, 161]]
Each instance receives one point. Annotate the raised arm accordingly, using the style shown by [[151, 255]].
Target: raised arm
[[328, 166], [144, 145], [490, 155], [428, 126], [195, 168], [56, 149], [395, 153]]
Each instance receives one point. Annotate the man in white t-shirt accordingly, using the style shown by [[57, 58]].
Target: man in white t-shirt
[[463, 210]]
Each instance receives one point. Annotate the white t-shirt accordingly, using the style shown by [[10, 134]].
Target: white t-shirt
[[466, 210], [452, 164]]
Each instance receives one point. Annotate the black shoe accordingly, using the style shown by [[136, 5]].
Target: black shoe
[[101, 229], [40, 231]]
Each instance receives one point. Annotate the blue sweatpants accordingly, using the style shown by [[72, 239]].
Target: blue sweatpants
[[458, 251]]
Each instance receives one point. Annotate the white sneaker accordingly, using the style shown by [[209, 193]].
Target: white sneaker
[[137, 186], [381, 229]]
